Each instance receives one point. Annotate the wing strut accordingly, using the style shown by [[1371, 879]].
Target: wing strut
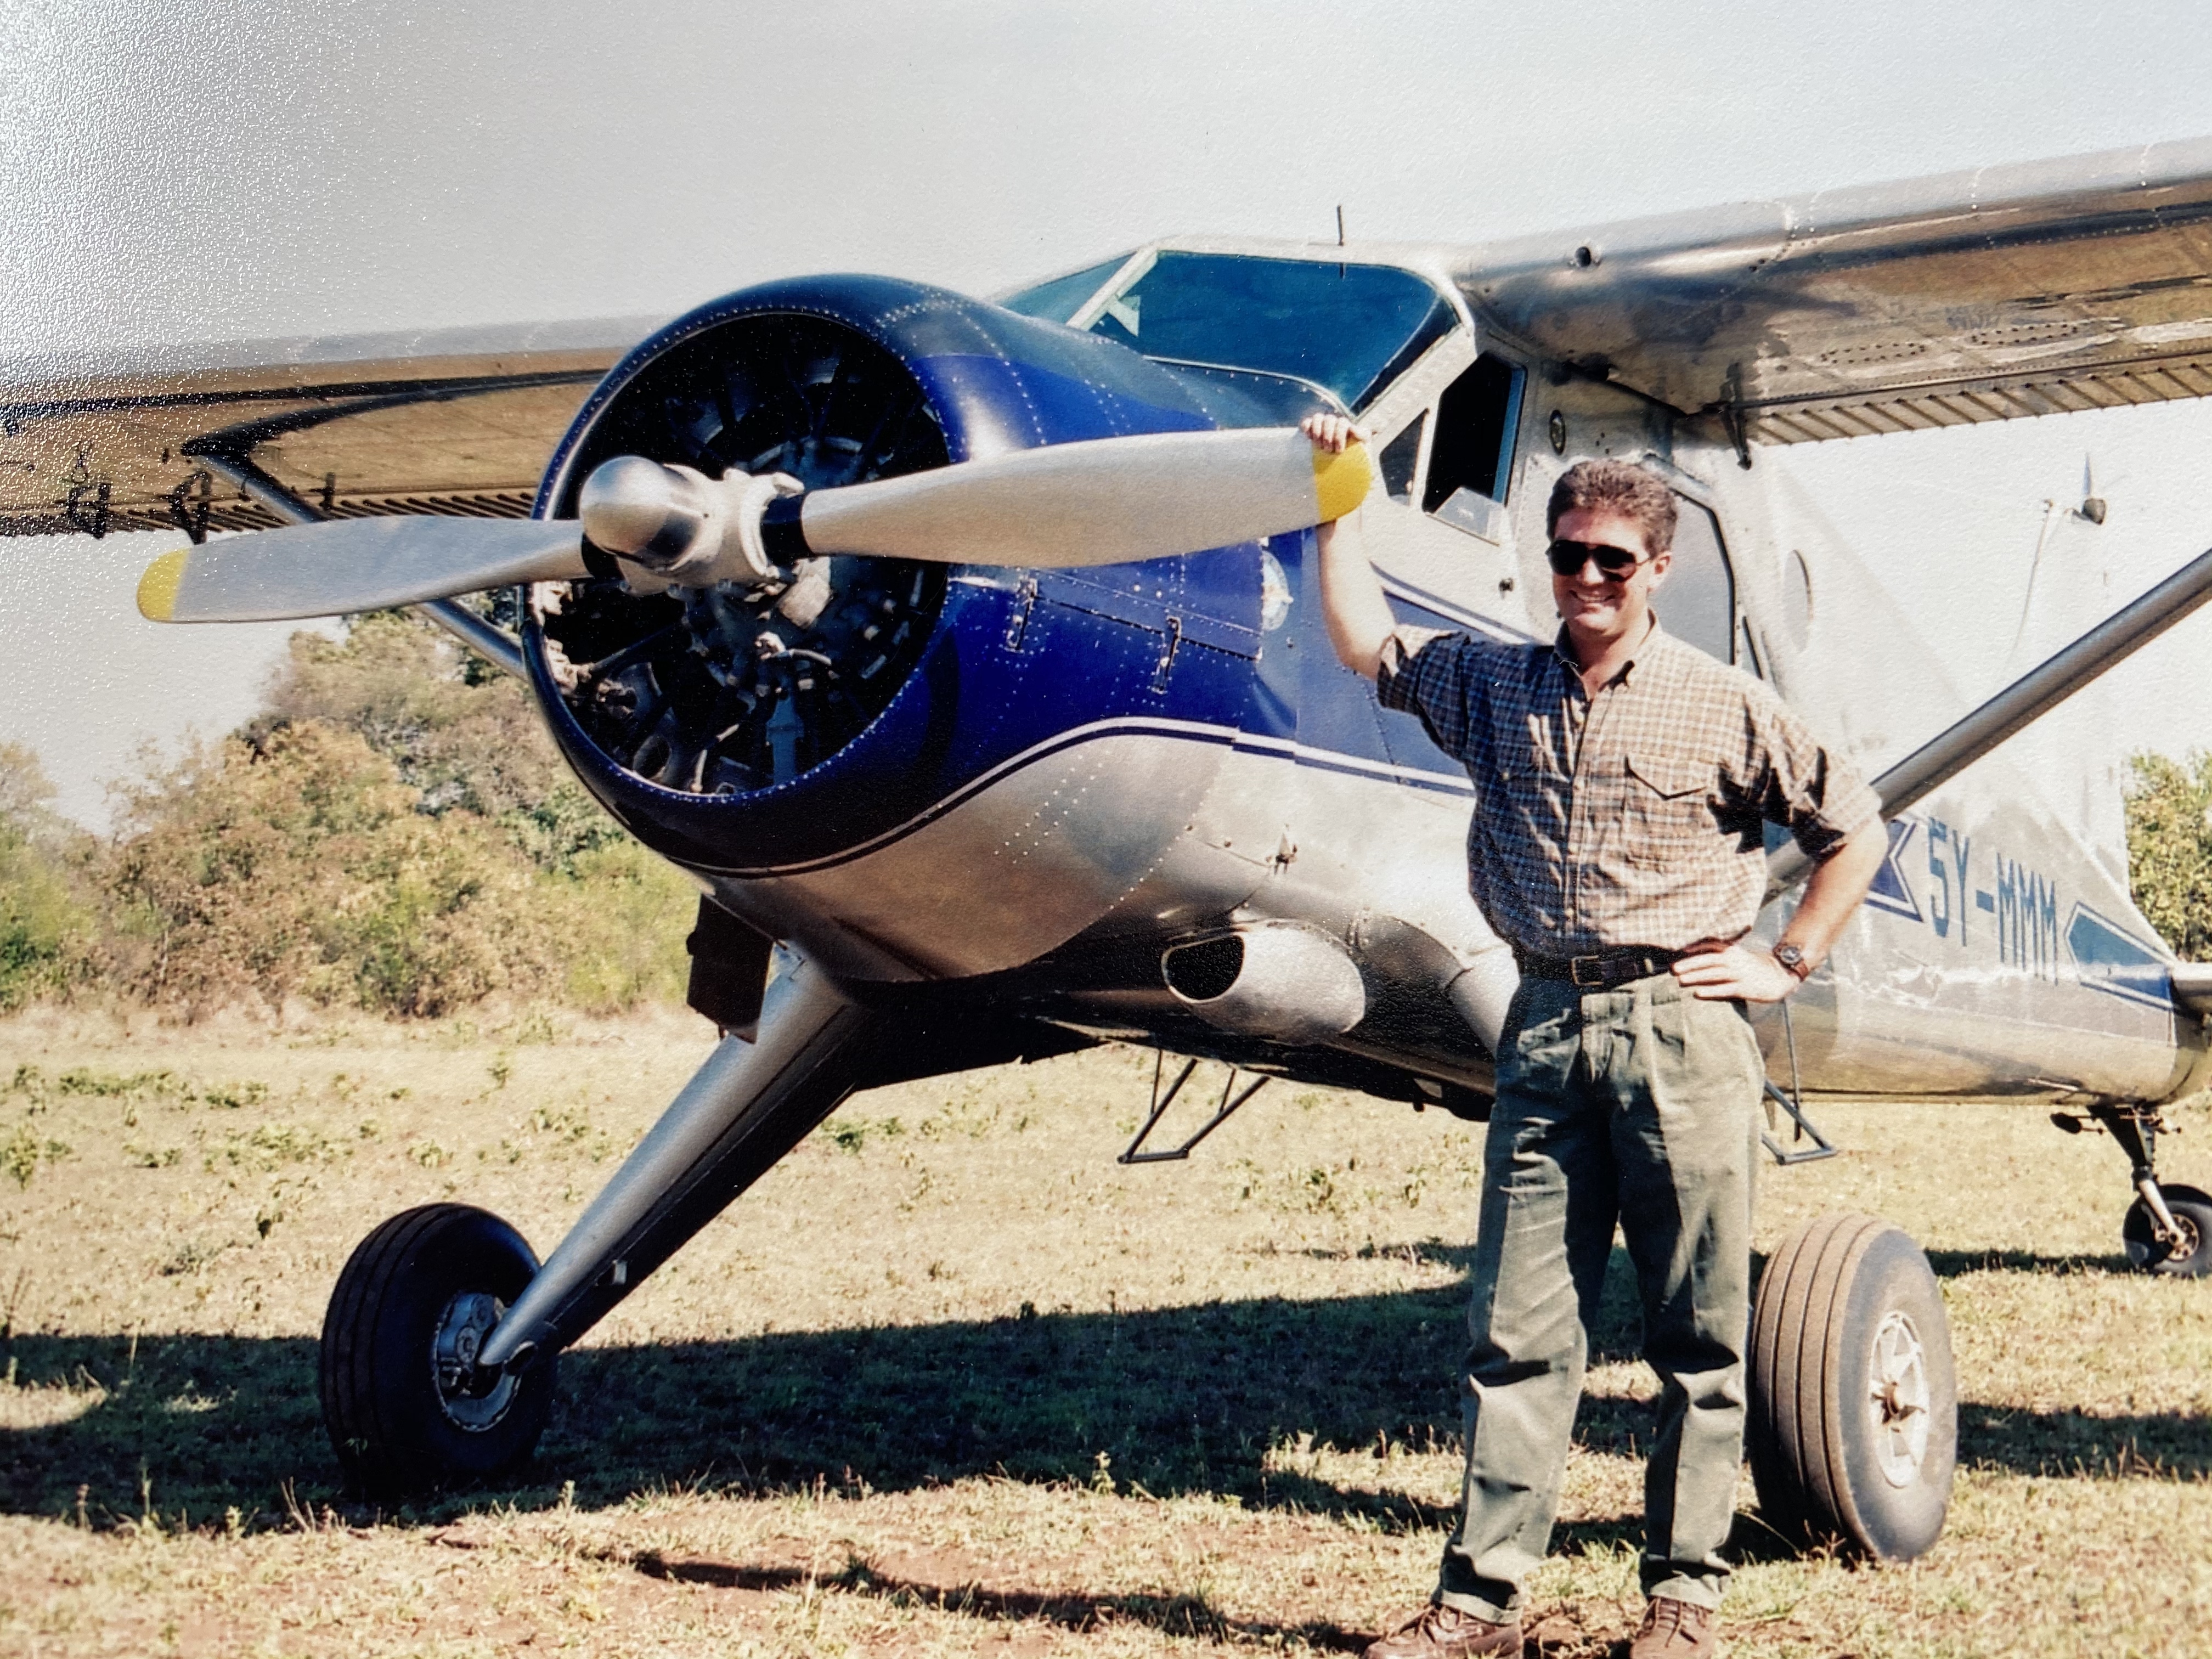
[[2027, 700], [496, 646]]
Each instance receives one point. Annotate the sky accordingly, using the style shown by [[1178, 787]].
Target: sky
[[232, 171]]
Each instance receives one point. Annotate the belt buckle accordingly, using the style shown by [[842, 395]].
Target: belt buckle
[[1597, 969]]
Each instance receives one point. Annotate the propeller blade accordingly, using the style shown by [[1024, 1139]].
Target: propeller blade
[[1111, 500], [344, 565]]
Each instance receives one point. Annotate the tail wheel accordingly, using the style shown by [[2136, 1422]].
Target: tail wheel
[[406, 1407], [2188, 1257], [1854, 1421]]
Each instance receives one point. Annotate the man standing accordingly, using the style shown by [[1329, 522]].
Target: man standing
[[1622, 778]]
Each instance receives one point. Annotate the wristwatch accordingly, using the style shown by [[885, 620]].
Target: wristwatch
[[1792, 959]]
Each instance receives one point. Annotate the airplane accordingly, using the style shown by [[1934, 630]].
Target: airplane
[[967, 653]]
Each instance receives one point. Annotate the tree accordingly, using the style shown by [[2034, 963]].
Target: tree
[[47, 926], [2169, 811], [465, 738], [395, 831]]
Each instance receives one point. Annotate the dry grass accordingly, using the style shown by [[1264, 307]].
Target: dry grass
[[951, 1381]]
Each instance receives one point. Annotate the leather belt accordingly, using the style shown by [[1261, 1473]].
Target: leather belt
[[1602, 971]]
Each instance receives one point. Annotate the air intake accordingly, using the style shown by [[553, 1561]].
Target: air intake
[[1276, 980]]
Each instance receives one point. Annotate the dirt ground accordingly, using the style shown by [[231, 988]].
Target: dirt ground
[[951, 1381]]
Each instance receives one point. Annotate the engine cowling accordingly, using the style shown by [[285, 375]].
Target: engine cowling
[[723, 692], [758, 735]]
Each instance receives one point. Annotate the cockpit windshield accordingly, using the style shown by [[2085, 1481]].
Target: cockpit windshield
[[1350, 329], [1058, 298]]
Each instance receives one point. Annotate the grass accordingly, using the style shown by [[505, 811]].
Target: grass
[[951, 1381]]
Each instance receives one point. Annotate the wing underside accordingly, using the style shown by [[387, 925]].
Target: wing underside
[[2028, 290], [456, 422]]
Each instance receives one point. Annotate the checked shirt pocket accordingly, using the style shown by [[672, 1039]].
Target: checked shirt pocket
[[1666, 808]]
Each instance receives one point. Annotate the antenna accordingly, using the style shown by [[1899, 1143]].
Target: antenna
[[2092, 506]]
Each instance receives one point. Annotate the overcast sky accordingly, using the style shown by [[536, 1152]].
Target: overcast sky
[[212, 170]]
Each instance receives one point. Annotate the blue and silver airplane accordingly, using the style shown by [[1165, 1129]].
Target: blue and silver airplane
[[967, 653]]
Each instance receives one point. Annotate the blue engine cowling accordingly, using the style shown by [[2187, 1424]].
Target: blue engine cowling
[[805, 760]]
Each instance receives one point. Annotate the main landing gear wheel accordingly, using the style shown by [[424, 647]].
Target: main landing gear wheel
[[1854, 1419], [2188, 1257], [406, 1408]]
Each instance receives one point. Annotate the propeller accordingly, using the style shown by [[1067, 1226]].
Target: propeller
[[340, 565], [1111, 500]]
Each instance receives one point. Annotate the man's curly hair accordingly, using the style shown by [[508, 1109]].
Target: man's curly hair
[[1620, 487]]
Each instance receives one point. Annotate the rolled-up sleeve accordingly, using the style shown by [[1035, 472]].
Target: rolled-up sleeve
[[1806, 788], [1421, 672]]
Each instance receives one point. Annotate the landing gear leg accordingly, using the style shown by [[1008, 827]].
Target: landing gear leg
[[2168, 1229], [438, 1351]]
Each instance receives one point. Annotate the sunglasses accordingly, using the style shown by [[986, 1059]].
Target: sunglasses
[[1614, 563]]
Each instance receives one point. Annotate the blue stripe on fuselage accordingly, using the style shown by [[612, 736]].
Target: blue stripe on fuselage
[[1306, 694], [1159, 730]]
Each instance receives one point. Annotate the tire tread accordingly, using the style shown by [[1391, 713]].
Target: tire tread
[[348, 1390], [1795, 1414], [366, 1441], [1798, 1372]]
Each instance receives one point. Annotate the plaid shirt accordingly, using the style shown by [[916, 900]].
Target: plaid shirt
[[1633, 818]]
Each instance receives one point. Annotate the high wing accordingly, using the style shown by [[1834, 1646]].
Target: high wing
[[2024, 289], [2008, 291], [451, 421]]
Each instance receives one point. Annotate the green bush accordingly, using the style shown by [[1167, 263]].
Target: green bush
[[622, 915], [2169, 810], [395, 833], [303, 867], [464, 736], [47, 924]]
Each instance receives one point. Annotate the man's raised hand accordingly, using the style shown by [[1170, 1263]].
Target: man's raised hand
[[1333, 432]]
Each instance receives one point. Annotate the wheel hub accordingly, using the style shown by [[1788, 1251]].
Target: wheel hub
[[472, 1397], [1898, 1400]]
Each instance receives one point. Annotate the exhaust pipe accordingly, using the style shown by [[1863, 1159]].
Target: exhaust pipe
[[1276, 980]]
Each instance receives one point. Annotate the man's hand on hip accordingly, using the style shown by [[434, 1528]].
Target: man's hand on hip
[[1718, 972]]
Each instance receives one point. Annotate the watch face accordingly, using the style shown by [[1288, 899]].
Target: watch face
[[1790, 958]]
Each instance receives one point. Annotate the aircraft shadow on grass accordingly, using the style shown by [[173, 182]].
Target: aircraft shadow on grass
[[1182, 1614], [1174, 1399]]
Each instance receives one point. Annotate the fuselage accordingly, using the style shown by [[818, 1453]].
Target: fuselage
[[1048, 780]]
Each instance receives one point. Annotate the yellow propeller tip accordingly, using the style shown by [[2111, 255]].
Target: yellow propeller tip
[[157, 589], [1341, 481]]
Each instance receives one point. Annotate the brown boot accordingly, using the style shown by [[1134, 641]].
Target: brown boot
[[1675, 1630], [1438, 1631]]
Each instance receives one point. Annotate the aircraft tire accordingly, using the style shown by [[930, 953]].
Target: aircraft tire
[[1850, 1345], [438, 1274], [2192, 1258]]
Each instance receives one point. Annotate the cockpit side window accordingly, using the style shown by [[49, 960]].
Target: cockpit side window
[[1696, 600], [1398, 459], [1476, 422]]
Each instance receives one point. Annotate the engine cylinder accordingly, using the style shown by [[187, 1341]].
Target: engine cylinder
[[728, 690]]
